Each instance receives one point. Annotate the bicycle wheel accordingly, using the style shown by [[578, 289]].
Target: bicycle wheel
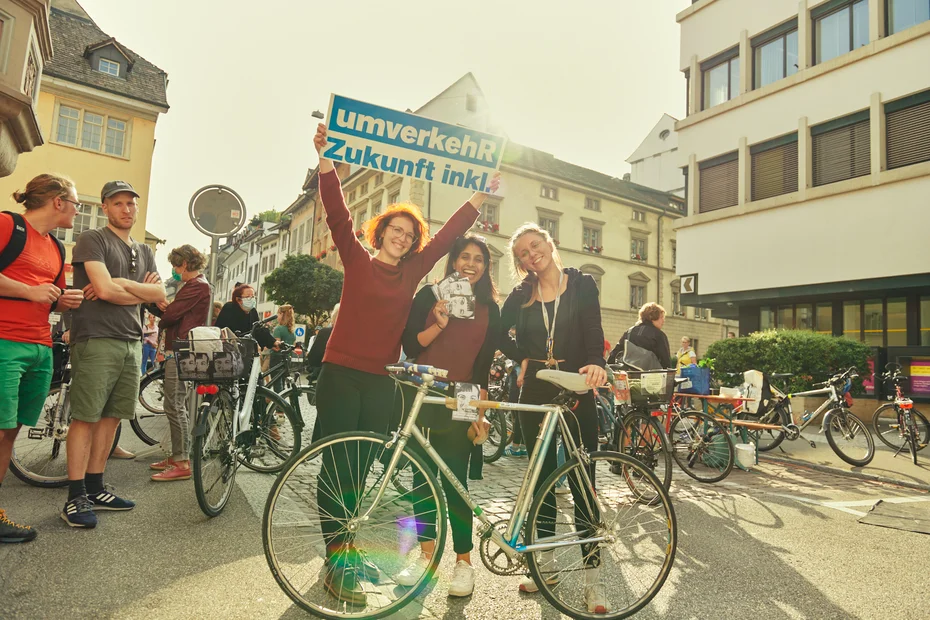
[[643, 439], [887, 428], [769, 439], [493, 448], [274, 436], [701, 446], [631, 563], [152, 392], [849, 437], [213, 458], [345, 471]]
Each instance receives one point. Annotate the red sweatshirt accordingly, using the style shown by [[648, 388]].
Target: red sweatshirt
[[376, 297]]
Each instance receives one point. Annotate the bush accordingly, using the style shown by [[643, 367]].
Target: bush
[[810, 357]]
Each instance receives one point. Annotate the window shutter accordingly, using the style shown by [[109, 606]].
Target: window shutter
[[841, 153], [775, 171], [908, 135], [719, 186]]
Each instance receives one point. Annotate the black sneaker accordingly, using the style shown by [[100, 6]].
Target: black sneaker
[[107, 500], [361, 563], [14, 532], [79, 512], [342, 582]]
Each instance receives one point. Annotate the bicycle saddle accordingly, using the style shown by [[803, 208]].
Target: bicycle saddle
[[571, 381]]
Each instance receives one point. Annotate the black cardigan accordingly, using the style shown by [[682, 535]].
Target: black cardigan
[[582, 346], [422, 306]]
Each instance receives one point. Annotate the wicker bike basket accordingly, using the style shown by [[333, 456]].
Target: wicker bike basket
[[214, 361]]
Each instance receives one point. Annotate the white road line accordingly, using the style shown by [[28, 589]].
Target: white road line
[[847, 506]]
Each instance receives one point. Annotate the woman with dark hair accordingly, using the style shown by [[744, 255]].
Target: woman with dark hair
[[377, 294], [239, 314], [557, 317], [464, 347]]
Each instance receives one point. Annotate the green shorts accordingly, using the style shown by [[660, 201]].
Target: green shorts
[[25, 377], [105, 379]]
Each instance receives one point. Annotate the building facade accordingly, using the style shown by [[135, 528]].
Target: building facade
[[807, 153], [98, 103], [655, 162]]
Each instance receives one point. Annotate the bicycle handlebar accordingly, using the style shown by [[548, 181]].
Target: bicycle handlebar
[[419, 369]]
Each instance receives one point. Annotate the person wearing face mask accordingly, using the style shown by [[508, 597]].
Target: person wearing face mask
[[239, 315], [354, 390], [464, 347], [557, 316], [187, 311]]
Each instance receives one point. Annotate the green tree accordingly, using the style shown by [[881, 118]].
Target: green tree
[[307, 284]]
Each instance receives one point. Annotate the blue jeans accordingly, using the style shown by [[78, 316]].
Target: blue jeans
[[148, 355]]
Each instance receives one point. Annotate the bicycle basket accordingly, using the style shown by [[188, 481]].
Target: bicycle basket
[[651, 386], [219, 361]]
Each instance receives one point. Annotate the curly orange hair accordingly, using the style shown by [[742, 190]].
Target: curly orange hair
[[374, 229]]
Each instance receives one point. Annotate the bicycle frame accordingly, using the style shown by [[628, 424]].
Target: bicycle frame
[[507, 541], [832, 401]]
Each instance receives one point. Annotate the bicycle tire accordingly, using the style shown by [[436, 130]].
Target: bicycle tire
[[302, 469], [651, 448], [887, 429], [493, 448], [153, 401], [769, 439], [663, 543], [694, 442], [216, 442], [834, 421], [268, 442]]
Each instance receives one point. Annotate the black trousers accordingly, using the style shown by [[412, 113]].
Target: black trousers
[[347, 400], [583, 428]]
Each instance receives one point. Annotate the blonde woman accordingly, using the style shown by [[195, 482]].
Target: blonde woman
[[686, 355], [557, 316], [283, 332]]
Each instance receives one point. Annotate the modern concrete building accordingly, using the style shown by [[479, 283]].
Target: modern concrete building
[[655, 162], [807, 153]]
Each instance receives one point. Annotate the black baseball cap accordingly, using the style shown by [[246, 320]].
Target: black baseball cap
[[115, 187]]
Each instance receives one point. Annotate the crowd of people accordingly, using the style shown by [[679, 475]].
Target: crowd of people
[[551, 319]]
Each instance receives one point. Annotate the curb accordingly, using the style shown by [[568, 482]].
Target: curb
[[918, 486]]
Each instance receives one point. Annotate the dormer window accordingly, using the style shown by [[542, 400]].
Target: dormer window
[[109, 67]]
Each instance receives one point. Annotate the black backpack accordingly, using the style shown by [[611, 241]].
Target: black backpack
[[18, 242]]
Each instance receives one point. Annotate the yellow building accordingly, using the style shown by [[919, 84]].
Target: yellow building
[[97, 107]]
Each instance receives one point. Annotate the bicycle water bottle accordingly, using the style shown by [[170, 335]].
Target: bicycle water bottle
[[807, 415]]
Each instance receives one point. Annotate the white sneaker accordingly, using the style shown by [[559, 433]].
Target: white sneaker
[[548, 566], [562, 488], [411, 575], [463, 579], [595, 592]]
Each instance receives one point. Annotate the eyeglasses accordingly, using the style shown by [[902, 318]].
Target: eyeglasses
[[132, 259], [397, 231], [77, 205]]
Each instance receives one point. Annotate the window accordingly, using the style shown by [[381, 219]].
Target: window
[[775, 55], [264, 264], [721, 78], [902, 14], [299, 237], [90, 126], [687, 92], [551, 224], [351, 198], [375, 208], [719, 182], [674, 254], [907, 130], [552, 193], [896, 322], [639, 216], [852, 326], [68, 119], [637, 296], [591, 239], [489, 214], [824, 318], [471, 103], [363, 189], [394, 198], [638, 248], [91, 131], [873, 322], [108, 66], [700, 314], [379, 179], [774, 167], [592, 204], [804, 317], [89, 217], [840, 149], [784, 319], [766, 318], [116, 137], [839, 27], [925, 321]]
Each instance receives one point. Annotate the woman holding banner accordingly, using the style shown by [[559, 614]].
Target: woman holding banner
[[353, 391]]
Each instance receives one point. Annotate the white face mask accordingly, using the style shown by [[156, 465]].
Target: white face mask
[[248, 303]]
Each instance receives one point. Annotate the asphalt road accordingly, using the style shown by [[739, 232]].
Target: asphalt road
[[779, 542]]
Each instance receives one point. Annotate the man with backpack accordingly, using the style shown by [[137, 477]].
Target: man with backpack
[[32, 283]]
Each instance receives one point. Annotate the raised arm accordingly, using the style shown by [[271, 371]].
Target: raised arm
[[338, 217]]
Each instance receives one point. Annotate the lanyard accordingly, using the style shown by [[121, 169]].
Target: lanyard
[[550, 329]]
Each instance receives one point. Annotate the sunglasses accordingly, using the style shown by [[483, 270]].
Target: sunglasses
[[133, 256]]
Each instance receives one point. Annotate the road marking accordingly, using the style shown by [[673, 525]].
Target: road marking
[[847, 506]]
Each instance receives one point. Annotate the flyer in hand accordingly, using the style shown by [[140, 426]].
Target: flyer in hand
[[456, 290]]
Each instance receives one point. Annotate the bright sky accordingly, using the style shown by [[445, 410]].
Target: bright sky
[[585, 85]]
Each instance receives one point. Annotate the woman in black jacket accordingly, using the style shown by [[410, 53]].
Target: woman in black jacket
[[557, 317], [239, 314], [648, 334]]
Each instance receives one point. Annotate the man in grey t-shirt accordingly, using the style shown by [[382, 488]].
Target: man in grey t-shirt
[[117, 274]]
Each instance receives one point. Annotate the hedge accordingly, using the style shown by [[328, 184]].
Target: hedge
[[810, 357]]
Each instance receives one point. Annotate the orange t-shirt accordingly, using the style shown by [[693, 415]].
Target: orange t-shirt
[[39, 263]]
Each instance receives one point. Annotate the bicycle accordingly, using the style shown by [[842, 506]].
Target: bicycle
[[39, 456], [152, 425], [230, 429], [500, 432], [371, 528], [700, 444], [898, 423]]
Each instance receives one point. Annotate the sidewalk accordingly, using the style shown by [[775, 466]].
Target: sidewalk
[[885, 467]]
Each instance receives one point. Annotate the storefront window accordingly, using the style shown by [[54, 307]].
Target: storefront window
[[825, 318], [804, 318], [925, 321], [874, 323], [767, 319], [896, 319], [785, 317], [852, 327]]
